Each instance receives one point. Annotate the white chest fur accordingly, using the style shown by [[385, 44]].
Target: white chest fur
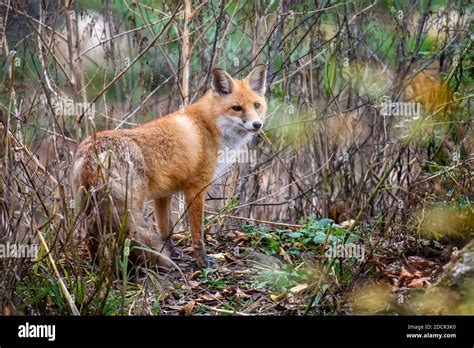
[[233, 141]]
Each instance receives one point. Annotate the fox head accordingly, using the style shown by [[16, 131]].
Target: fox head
[[240, 104]]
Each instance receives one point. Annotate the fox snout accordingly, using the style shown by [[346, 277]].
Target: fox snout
[[252, 119], [257, 124], [253, 125]]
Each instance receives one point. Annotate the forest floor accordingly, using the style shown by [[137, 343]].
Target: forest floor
[[261, 270], [266, 271]]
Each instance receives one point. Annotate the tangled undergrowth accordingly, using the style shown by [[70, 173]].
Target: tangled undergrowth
[[317, 267]]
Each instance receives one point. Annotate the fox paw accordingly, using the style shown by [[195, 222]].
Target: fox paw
[[176, 253], [206, 262]]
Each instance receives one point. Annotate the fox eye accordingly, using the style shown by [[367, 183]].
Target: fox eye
[[237, 108], [257, 106]]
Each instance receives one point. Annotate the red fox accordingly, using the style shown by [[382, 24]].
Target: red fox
[[174, 153]]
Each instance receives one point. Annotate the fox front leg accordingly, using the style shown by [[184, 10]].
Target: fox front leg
[[195, 202]]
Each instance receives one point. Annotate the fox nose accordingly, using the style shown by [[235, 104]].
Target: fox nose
[[257, 124]]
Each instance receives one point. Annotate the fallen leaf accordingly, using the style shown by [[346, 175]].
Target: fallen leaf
[[243, 272], [194, 283], [240, 237], [240, 294], [392, 275], [210, 297], [224, 271], [404, 278], [241, 234], [285, 256], [229, 258], [219, 256], [188, 308], [299, 288], [175, 308], [418, 274], [230, 235], [188, 250], [419, 282], [347, 223], [417, 263], [405, 273], [210, 239], [196, 274], [277, 298], [228, 292], [206, 297], [178, 236]]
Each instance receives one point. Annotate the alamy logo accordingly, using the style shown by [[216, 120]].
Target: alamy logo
[[410, 109], [231, 156], [349, 250], [37, 331], [67, 107], [19, 251]]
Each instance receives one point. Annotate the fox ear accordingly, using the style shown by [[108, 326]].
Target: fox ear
[[257, 78], [222, 83]]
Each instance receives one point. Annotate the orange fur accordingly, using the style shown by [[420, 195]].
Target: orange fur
[[175, 153]]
